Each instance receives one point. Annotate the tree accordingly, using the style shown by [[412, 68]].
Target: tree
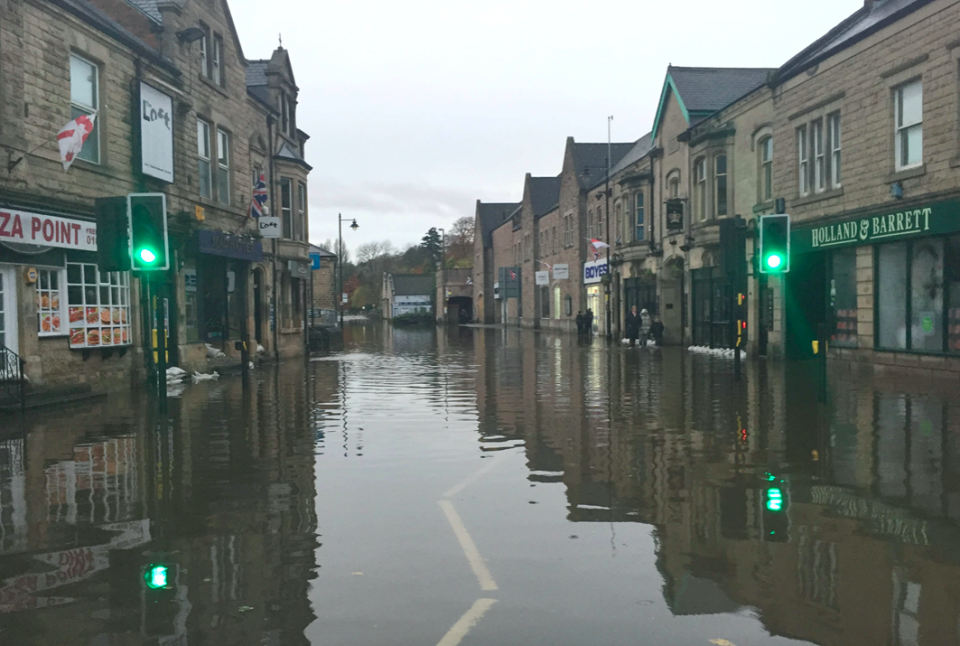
[[375, 250], [343, 255], [460, 247], [433, 244]]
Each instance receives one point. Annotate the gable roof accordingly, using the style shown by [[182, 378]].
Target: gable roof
[[701, 91], [865, 21], [544, 194], [642, 146], [413, 285], [287, 153], [491, 216], [590, 161], [320, 251]]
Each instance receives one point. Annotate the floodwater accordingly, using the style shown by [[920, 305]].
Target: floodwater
[[487, 487]]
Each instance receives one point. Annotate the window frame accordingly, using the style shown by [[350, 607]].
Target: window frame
[[803, 161], [204, 127], [901, 131], [223, 166], [88, 109], [217, 74], [286, 208], [835, 148], [700, 188], [61, 295], [302, 210], [717, 175], [639, 220], [206, 51], [766, 169], [819, 157]]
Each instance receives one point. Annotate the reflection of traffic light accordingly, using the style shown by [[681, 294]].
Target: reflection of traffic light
[[774, 519], [160, 607], [113, 234], [774, 244], [148, 231]]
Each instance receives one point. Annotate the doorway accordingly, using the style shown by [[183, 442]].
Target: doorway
[[8, 311]]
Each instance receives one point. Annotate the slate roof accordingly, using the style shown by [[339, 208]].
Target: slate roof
[[320, 251], [642, 146], [288, 153], [544, 194], [590, 161], [860, 24], [492, 215], [413, 285], [708, 89], [257, 73], [148, 8]]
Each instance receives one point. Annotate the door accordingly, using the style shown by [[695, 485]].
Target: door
[[8, 311]]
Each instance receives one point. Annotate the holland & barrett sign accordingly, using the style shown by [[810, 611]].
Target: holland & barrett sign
[[936, 218]]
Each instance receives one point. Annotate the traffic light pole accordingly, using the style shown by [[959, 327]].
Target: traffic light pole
[[160, 311]]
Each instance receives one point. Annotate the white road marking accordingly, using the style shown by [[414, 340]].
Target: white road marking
[[469, 480], [469, 547], [460, 629]]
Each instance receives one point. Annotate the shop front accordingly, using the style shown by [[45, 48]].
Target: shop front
[[593, 279], [57, 309], [890, 280]]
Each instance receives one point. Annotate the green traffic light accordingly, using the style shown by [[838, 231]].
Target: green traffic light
[[157, 577], [774, 261], [774, 500], [147, 256]]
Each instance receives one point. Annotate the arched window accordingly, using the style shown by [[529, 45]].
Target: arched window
[[674, 187], [720, 184], [766, 169], [700, 188]]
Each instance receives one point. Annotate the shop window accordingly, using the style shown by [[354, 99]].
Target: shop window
[[84, 101], [766, 169], [819, 161], [557, 301], [951, 279], [911, 298], [909, 125], [639, 231], [834, 133], [286, 207], [203, 157], [302, 210], [223, 167], [49, 303], [720, 184], [700, 188], [803, 175], [843, 298], [98, 305]]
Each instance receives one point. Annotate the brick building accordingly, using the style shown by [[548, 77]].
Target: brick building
[[178, 110]]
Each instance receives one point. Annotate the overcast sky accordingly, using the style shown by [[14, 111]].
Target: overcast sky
[[416, 109]]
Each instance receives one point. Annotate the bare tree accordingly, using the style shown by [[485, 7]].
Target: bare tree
[[373, 250], [343, 255], [460, 242]]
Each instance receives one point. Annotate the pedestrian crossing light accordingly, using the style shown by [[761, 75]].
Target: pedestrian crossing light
[[157, 577], [149, 247], [774, 244]]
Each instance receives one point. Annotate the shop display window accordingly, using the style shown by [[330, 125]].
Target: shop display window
[[98, 306], [843, 298], [49, 303]]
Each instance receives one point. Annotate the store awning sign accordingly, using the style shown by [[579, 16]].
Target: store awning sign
[[218, 243], [593, 272], [902, 224], [47, 230]]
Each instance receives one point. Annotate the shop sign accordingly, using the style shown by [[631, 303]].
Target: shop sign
[[509, 280], [297, 268], [674, 215], [561, 272], [48, 230], [314, 261], [190, 280], [937, 218], [217, 243], [593, 272], [156, 133], [269, 226], [542, 277]]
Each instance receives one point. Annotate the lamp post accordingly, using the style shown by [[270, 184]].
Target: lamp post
[[443, 274], [353, 226]]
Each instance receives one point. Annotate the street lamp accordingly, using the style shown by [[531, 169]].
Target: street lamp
[[353, 226]]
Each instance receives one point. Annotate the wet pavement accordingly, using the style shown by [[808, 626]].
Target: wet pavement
[[480, 487]]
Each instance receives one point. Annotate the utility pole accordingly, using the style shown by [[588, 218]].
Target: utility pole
[[606, 208]]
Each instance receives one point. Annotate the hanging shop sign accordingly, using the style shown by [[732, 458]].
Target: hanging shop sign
[[269, 226], [156, 133], [593, 272], [218, 243], [47, 230], [561, 271], [674, 214], [930, 219], [542, 277]]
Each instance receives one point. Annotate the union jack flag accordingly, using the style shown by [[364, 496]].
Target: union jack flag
[[259, 197]]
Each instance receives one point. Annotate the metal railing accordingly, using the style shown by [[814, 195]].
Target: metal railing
[[11, 375]]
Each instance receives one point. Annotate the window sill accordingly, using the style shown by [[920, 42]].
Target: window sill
[[817, 197], [760, 207], [213, 86], [907, 173]]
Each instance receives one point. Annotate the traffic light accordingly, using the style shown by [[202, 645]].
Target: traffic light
[[775, 521], [149, 249], [774, 244], [113, 237], [159, 599]]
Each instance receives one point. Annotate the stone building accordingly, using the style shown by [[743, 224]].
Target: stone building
[[179, 111], [488, 217], [324, 279], [407, 294]]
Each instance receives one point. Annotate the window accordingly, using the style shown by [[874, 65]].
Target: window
[[223, 167], [804, 161], [843, 298], [601, 233], [98, 306], [640, 234], [557, 303], [700, 188], [286, 207], [302, 210], [216, 64], [527, 247], [918, 295], [819, 161], [766, 169], [618, 223], [85, 100], [49, 305], [203, 157], [544, 302], [720, 184], [284, 114], [568, 233], [675, 188], [556, 241], [205, 52], [909, 125], [590, 225], [834, 133]]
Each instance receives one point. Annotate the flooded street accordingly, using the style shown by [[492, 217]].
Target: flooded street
[[487, 486]]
